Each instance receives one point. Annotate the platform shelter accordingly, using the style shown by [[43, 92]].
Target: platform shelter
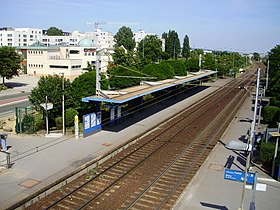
[[114, 99]]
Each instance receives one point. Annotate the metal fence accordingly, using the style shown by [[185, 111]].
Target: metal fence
[[25, 120]]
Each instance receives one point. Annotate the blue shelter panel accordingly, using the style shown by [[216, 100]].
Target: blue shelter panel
[[91, 123]]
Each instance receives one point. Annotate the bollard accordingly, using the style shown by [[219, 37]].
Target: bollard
[[4, 142], [278, 178], [8, 160]]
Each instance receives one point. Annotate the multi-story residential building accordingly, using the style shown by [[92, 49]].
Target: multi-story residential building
[[43, 60], [101, 39], [19, 36], [138, 36]]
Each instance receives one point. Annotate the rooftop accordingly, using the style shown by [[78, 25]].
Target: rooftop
[[146, 88]]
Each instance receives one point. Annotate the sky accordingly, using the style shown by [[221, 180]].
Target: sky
[[233, 25]]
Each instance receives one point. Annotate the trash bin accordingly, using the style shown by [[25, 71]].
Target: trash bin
[[3, 140]]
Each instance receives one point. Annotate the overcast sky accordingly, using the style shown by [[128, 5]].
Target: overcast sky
[[237, 25]]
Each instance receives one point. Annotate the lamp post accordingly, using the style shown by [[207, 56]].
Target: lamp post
[[63, 108], [247, 147]]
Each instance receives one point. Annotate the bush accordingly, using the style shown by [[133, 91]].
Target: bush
[[39, 122], [179, 67], [70, 114], [271, 115], [3, 87], [58, 123], [267, 154]]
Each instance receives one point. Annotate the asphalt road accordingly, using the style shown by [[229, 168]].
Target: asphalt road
[[8, 109]]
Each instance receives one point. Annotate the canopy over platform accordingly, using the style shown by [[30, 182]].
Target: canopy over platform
[[145, 88]]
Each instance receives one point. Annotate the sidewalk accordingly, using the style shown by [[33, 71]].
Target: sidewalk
[[209, 189], [38, 162], [23, 83]]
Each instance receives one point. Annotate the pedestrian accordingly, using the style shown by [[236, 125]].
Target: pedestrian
[[3, 140]]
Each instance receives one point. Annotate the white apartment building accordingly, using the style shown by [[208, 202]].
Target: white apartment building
[[100, 39], [19, 36], [138, 36], [41, 60]]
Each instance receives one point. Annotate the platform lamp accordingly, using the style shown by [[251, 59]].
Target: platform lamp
[[63, 109]]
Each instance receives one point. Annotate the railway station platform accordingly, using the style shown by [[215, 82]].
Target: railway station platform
[[209, 189], [38, 162]]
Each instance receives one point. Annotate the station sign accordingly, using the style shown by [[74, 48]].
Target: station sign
[[238, 176]]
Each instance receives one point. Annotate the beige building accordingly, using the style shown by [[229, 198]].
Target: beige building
[[41, 60]]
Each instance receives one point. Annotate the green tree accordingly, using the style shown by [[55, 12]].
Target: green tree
[[274, 76], [150, 49], [186, 48], [122, 77], [161, 71], [53, 31], [172, 44], [192, 64], [84, 86], [124, 37], [9, 62], [123, 57], [179, 66], [256, 56], [51, 86]]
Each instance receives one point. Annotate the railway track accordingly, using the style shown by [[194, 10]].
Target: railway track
[[160, 165]]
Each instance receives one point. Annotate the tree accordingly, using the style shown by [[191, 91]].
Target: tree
[[274, 76], [84, 86], [9, 62], [51, 86], [179, 67], [161, 71], [256, 56], [186, 48], [172, 44], [124, 37], [123, 57], [122, 77], [150, 49], [53, 31]]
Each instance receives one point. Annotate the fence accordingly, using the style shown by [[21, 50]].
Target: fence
[[25, 121]]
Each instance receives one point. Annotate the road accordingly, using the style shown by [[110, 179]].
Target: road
[[8, 103]]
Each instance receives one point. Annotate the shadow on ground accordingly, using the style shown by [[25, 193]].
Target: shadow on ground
[[213, 206], [145, 112]]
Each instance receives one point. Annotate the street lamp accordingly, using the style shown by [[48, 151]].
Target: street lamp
[[63, 111], [240, 146]]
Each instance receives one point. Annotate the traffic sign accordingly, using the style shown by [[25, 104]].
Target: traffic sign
[[239, 176], [47, 106]]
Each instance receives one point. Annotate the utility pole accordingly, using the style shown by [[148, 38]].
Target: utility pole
[[250, 142], [63, 107], [267, 71], [47, 121]]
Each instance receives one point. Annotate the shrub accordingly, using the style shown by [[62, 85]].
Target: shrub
[[271, 115], [58, 123], [39, 122], [3, 87], [70, 114]]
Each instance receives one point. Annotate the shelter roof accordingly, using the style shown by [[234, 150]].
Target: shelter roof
[[145, 88]]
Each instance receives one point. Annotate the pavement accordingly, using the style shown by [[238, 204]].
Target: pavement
[[19, 84], [209, 189], [38, 161]]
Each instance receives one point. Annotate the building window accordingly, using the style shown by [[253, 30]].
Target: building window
[[10, 40], [58, 67], [10, 44], [31, 36], [10, 35], [25, 40], [74, 52], [24, 35]]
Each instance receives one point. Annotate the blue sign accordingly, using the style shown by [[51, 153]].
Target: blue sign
[[239, 176], [91, 123]]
